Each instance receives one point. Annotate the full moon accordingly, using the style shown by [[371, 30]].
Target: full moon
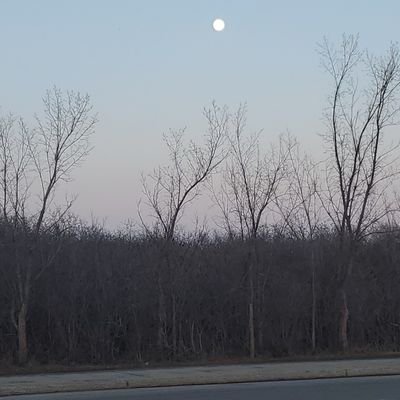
[[219, 25]]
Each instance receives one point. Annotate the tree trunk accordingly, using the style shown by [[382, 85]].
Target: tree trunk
[[174, 335], [251, 331], [260, 341], [251, 312], [193, 345], [343, 321], [161, 317], [22, 336], [252, 267], [313, 317], [314, 303]]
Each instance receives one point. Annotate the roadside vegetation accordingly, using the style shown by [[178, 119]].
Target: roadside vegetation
[[304, 260]]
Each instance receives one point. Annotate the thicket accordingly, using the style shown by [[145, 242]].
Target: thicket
[[99, 301]]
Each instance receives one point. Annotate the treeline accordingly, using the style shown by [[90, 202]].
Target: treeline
[[304, 259], [100, 300]]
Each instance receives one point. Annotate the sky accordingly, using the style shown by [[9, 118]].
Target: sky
[[152, 65]]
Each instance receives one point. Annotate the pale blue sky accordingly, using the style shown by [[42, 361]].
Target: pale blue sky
[[152, 65]]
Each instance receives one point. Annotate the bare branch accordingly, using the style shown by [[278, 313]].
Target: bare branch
[[170, 189]]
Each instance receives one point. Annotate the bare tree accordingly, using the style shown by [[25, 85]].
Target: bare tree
[[170, 189], [360, 167], [15, 159], [252, 182], [41, 157], [301, 210]]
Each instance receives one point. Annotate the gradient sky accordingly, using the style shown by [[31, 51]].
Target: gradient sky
[[151, 65]]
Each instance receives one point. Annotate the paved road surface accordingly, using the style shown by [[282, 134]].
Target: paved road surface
[[373, 388], [162, 377]]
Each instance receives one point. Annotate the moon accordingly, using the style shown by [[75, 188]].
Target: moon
[[219, 25]]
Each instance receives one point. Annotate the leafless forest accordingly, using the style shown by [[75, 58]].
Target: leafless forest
[[305, 257]]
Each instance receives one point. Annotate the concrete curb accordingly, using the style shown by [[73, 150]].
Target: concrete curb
[[140, 378]]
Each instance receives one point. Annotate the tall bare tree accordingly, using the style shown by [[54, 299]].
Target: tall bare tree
[[360, 167], [301, 210], [33, 163], [252, 182], [170, 189]]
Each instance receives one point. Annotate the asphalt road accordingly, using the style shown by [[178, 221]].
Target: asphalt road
[[372, 388]]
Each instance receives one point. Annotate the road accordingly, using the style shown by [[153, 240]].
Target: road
[[177, 376], [371, 388]]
